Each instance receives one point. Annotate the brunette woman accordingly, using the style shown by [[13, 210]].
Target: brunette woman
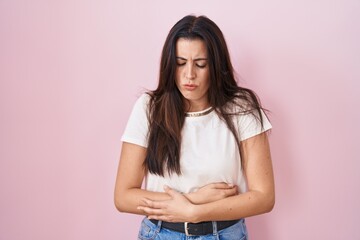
[[199, 141]]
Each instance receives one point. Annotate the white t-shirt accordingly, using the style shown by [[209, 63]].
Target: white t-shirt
[[209, 152]]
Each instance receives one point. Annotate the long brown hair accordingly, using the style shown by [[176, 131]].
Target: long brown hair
[[166, 112]]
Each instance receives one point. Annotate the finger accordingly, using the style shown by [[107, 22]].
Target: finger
[[230, 192], [160, 218], [171, 191], [152, 204], [222, 185], [164, 218], [146, 202], [151, 211]]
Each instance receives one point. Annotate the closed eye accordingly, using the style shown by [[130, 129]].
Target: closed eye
[[201, 65], [180, 63]]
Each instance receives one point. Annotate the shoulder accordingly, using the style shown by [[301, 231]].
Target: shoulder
[[246, 112], [239, 105], [141, 107], [143, 101], [144, 98]]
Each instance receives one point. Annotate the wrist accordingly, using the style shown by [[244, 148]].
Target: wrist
[[194, 212]]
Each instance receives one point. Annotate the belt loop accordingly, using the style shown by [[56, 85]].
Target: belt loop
[[158, 226], [214, 224]]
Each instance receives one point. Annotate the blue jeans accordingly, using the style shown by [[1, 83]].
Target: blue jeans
[[150, 231]]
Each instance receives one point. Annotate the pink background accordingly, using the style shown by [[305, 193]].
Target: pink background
[[70, 72]]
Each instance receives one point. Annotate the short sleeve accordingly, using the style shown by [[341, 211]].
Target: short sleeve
[[136, 130], [250, 126]]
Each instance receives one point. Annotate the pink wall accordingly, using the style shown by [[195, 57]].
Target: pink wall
[[71, 70]]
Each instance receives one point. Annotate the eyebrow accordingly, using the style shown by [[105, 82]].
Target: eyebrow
[[196, 59]]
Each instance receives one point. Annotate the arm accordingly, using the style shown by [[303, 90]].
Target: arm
[[128, 192], [129, 195], [259, 199]]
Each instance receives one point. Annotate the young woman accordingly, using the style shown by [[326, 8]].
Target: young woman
[[200, 143]]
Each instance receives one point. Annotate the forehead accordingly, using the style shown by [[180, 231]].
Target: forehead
[[191, 48]]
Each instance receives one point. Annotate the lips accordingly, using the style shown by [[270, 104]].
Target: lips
[[190, 87]]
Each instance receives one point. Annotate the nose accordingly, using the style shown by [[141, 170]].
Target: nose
[[190, 72]]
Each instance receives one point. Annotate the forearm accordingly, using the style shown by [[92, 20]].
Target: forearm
[[128, 200], [243, 205]]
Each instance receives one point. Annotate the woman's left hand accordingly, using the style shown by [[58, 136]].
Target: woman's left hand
[[177, 209]]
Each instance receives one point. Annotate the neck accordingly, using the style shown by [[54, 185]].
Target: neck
[[196, 107]]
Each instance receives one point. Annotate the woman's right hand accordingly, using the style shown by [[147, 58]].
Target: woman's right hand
[[212, 192]]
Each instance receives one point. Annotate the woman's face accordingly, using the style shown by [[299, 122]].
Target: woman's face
[[192, 72]]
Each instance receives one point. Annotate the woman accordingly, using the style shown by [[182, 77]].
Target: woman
[[200, 143]]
